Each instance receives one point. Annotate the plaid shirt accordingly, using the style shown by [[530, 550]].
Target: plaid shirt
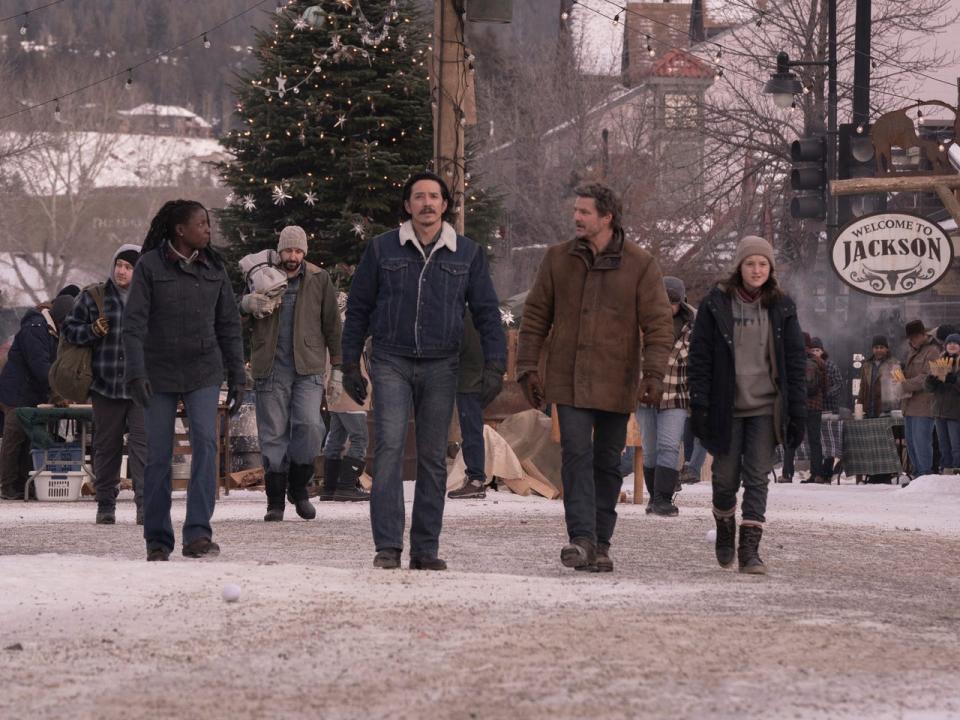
[[108, 364], [676, 390], [831, 399]]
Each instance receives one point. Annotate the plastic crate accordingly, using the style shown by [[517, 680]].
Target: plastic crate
[[58, 486], [67, 457]]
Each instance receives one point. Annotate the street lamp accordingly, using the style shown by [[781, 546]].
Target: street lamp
[[783, 84]]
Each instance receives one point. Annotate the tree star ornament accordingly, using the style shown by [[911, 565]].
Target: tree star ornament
[[248, 203], [280, 195], [310, 198]]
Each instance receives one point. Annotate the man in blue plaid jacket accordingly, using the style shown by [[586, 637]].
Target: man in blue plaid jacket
[[114, 414]]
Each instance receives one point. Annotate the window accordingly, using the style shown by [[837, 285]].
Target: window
[[680, 111]]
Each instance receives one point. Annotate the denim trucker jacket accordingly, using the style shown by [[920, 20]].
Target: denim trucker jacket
[[412, 304]]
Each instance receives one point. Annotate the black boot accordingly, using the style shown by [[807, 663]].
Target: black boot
[[331, 476], [106, 513], [298, 478], [725, 545], [348, 489], [748, 552], [275, 483], [648, 476], [664, 486]]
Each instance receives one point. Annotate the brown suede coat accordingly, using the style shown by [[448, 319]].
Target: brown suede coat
[[917, 400], [595, 311]]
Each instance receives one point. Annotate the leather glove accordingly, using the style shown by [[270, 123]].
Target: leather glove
[[492, 383], [100, 326], [951, 378], [650, 391], [354, 383], [140, 391], [334, 386], [700, 422], [234, 399], [533, 389], [258, 304], [796, 428]]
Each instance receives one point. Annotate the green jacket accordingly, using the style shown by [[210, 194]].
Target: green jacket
[[316, 327]]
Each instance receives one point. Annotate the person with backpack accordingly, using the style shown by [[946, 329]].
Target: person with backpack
[[97, 322], [24, 383]]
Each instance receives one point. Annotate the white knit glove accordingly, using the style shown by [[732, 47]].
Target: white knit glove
[[258, 304], [334, 386]]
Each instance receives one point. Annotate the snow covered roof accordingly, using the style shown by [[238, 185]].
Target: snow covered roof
[[115, 160], [152, 109]]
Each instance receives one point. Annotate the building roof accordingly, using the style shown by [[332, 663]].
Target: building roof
[[152, 109], [678, 63]]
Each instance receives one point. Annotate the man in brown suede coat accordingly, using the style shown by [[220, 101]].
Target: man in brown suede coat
[[595, 296]]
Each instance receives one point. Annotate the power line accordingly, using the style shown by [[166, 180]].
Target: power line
[[128, 71], [25, 13], [721, 69]]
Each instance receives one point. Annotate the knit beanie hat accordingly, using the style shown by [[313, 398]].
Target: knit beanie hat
[[676, 290], [753, 245], [953, 338], [880, 341], [943, 331], [69, 291], [292, 236], [61, 307], [128, 255], [816, 343]]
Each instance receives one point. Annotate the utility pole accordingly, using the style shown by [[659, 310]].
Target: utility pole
[[450, 88]]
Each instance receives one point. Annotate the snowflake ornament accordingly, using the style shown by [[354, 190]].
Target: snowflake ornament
[[310, 198], [358, 229], [301, 24], [346, 4], [280, 195], [506, 316], [248, 203], [230, 199], [401, 42], [341, 120]]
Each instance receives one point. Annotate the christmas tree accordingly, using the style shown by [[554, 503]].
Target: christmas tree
[[334, 120]]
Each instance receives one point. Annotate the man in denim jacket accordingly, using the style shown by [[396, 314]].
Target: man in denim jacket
[[410, 292]]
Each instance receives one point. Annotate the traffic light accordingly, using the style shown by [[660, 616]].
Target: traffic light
[[857, 159], [808, 177]]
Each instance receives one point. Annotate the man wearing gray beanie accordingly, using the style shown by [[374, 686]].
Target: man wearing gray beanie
[[288, 361]]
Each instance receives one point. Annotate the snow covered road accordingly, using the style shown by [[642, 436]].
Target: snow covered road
[[859, 616]]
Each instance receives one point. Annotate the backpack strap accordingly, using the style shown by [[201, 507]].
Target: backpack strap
[[97, 291]]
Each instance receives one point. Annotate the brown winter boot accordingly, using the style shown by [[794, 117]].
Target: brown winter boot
[[579, 552], [748, 553]]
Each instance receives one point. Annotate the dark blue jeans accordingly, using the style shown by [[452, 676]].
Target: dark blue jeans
[[471, 430], [429, 386], [919, 435], [591, 442], [948, 438], [158, 418], [747, 462]]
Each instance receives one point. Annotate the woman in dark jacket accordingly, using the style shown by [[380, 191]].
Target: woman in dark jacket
[[946, 405], [747, 393], [181, 330]]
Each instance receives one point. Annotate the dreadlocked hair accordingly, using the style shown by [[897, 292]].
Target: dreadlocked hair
[[173, 213]]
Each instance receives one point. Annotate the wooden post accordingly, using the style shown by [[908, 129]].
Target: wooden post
[[941, 184], [449, 88]]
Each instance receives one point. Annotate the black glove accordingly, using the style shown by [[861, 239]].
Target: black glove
[[354, 383], [796, 427], [492, 383], [951, 378], [140, 392], [700, 422], [533, 389], [234, 399]]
